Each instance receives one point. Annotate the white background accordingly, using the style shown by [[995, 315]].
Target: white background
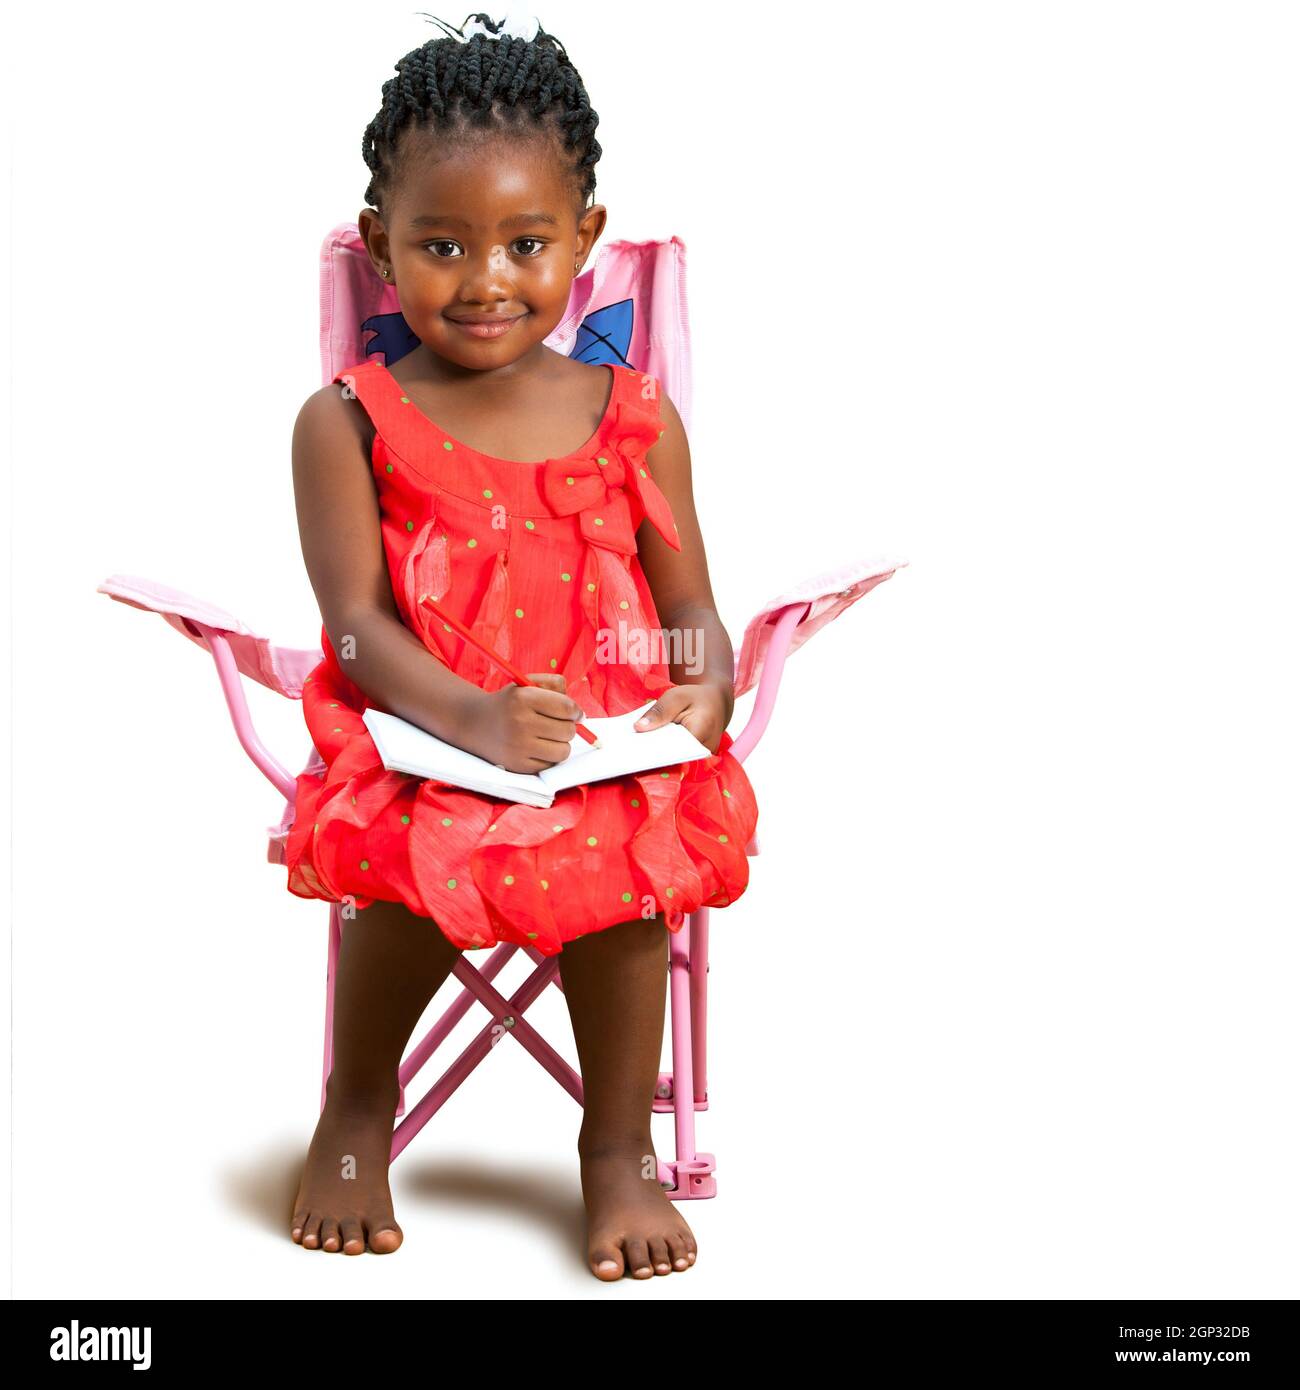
[[1010, 290]]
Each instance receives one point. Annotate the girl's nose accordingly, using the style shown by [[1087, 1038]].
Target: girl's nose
[[488, 276]]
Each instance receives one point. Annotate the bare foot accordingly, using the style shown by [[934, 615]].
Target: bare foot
[[632, 1226], [343, 1200]]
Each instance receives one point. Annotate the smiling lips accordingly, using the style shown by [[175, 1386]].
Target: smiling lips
[[486, 325]]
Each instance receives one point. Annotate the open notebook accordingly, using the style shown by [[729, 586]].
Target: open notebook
[[405, 747]]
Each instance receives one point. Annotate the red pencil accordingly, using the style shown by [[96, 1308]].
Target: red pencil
[[518, 677]]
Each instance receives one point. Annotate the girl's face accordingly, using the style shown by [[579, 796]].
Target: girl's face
[[483, 241]]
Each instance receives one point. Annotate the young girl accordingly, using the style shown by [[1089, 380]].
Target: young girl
[[546, 504]]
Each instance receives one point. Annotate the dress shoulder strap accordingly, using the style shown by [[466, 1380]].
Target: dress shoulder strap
[[384, 401]]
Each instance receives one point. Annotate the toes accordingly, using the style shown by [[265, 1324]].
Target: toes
[[606, 1261], [677, 1250], [638, 1258], [317, 1232], [385, 1237], [311, 1231], [298, 1225], [659, 1255]]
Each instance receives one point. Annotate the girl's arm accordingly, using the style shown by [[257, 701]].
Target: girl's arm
[[338, 523], [520, 728], [679, 583]]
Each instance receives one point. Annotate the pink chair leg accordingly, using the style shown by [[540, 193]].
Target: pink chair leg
[[691, 1174], [700, 1004]]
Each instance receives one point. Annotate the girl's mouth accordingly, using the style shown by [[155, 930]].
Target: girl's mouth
[[487, 328]]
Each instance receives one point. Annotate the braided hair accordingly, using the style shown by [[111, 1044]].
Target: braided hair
[[455, 87]]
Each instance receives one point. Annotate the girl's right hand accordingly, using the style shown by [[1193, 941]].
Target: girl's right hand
[[523, 729]]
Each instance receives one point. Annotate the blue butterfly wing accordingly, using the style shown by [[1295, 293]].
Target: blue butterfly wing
[[393, 337], [605, 335]]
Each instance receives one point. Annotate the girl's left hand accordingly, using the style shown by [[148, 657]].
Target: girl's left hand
[[701, 707]]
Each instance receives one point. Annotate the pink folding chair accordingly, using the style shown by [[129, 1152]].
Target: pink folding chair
[[630, 307]]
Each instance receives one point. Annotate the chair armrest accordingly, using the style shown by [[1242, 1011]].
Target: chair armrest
[[237, 651], [778, 649], [785, 623], [279, 668]]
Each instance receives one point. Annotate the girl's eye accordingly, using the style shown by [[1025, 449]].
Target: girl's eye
[[523, 240]]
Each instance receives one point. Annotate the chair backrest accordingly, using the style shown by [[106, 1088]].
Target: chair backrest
[[628, 307]]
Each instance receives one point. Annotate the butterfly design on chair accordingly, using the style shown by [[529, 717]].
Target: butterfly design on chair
[[604, 335]]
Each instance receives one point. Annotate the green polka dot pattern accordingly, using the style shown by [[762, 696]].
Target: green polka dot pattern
[[524, 555]]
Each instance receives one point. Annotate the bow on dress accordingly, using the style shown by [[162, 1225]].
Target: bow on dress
[[598, 488]]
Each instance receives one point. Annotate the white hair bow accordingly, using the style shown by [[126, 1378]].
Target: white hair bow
[[517, 25]]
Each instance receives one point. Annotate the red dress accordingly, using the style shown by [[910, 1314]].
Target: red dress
[[540, 561]]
